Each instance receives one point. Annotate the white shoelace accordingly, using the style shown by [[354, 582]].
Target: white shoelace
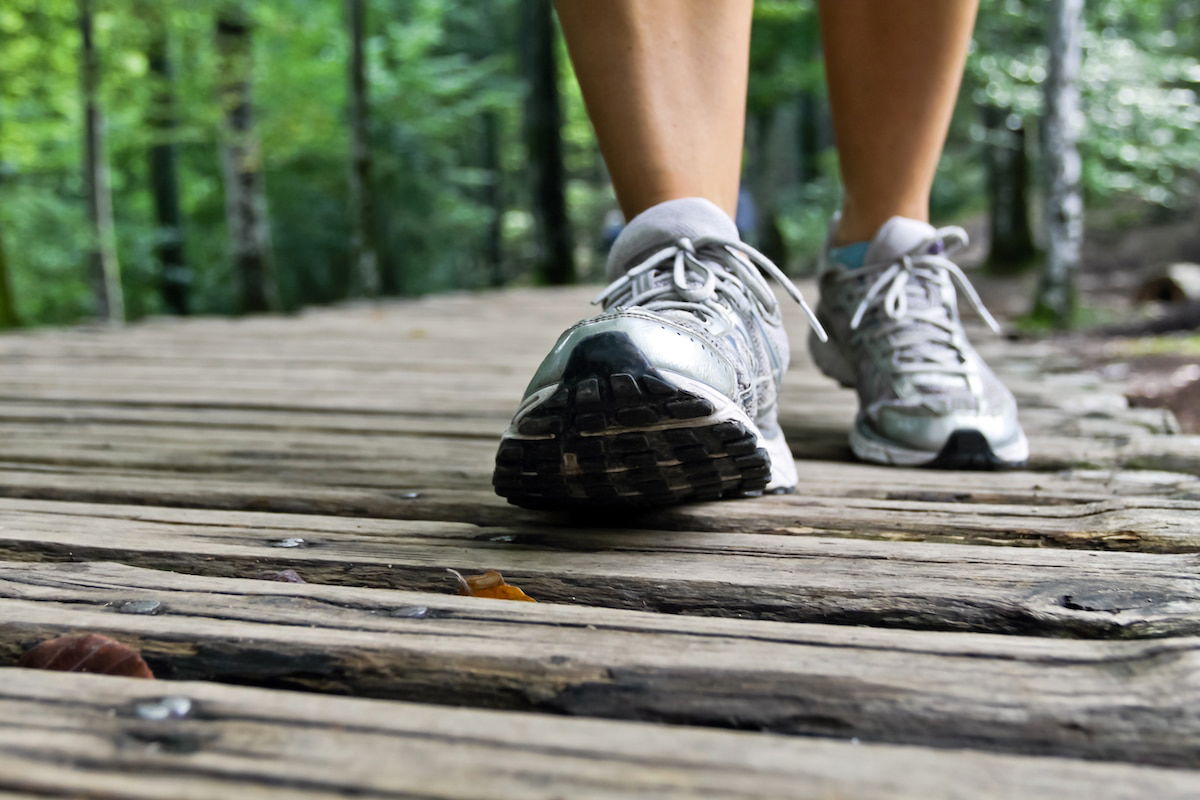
[[707, 286], [914, 349]]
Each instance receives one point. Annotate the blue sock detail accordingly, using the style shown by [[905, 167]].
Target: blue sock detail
[[850, 256]]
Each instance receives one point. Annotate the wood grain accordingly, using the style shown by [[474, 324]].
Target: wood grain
[[873, 606], [1133, 701], [1040, 592], [75, 735]]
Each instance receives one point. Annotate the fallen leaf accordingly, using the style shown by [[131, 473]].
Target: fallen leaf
[[489, 584], [87, 652]]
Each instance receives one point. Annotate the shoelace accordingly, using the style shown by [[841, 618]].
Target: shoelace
[[709, 276], [915, 350]]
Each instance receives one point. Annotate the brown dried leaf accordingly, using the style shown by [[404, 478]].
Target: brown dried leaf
[[489, 584], [87, 652]]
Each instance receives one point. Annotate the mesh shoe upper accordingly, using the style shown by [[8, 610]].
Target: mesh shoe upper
[[713, 287], [682, 264]]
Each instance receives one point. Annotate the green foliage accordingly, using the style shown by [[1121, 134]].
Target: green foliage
[[443, 73], [784, 53], [1140, 85]]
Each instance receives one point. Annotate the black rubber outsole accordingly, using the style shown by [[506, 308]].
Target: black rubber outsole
[[969, 449], [617, 435]]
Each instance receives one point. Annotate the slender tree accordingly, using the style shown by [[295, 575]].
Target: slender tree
[[363, 243], [809, 135], [8, 311], [543, 142], [1007, 167], [245, 196], [174, 275], [772, 166], [482, 34], [104, 269], [1062, 126], [493, 198]]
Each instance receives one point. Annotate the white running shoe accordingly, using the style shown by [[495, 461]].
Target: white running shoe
[[671, 394], [926, 398]]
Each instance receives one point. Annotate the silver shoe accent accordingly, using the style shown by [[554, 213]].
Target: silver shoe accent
[[670, 395], [925, 395]]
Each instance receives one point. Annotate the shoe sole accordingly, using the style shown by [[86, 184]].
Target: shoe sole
[[966, 448], [617, 433]]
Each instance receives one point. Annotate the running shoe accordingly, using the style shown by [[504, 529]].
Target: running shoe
[[926, 398], [670, 395]]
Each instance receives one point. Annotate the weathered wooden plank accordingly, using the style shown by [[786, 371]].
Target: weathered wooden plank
[[827, 478], [77, 734], [786, 578], [1125, 523], [812, 431], [1074, 419], [471, 444], [379, 385], [61, 417], [456, 419], [1136, 701]]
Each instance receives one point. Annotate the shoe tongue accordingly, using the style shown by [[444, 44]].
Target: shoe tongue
[[663, 224], [896, 237]]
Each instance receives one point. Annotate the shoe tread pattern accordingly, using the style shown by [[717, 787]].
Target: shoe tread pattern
[[616, 434]]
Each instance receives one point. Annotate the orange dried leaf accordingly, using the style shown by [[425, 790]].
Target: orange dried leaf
[[87, 652], [489, 584]]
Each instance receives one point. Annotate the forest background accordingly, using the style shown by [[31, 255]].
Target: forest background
[[217, 157]]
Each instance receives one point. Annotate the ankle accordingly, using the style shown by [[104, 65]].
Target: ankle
[[860, 225]]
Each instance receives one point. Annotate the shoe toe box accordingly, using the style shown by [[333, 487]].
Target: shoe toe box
[[628, 342]]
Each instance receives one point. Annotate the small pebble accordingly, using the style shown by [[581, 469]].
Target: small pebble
[[285, 575], [171, 707], [412, 612], [291, 541], [409, 495], [140, 607]]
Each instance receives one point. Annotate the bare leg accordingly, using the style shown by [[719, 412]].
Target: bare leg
[[665, 86], [893, 69]]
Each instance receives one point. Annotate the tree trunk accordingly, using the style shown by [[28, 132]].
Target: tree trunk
[[777, 167], [174, 275], [245, 197], [493, 198], [8, 311], [103, 267], [808, 136], [364, 250], [1061, 127], [543, 141], [1007, 167]]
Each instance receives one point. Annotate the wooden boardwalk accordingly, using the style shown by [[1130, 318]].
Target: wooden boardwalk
[[881, 633]]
